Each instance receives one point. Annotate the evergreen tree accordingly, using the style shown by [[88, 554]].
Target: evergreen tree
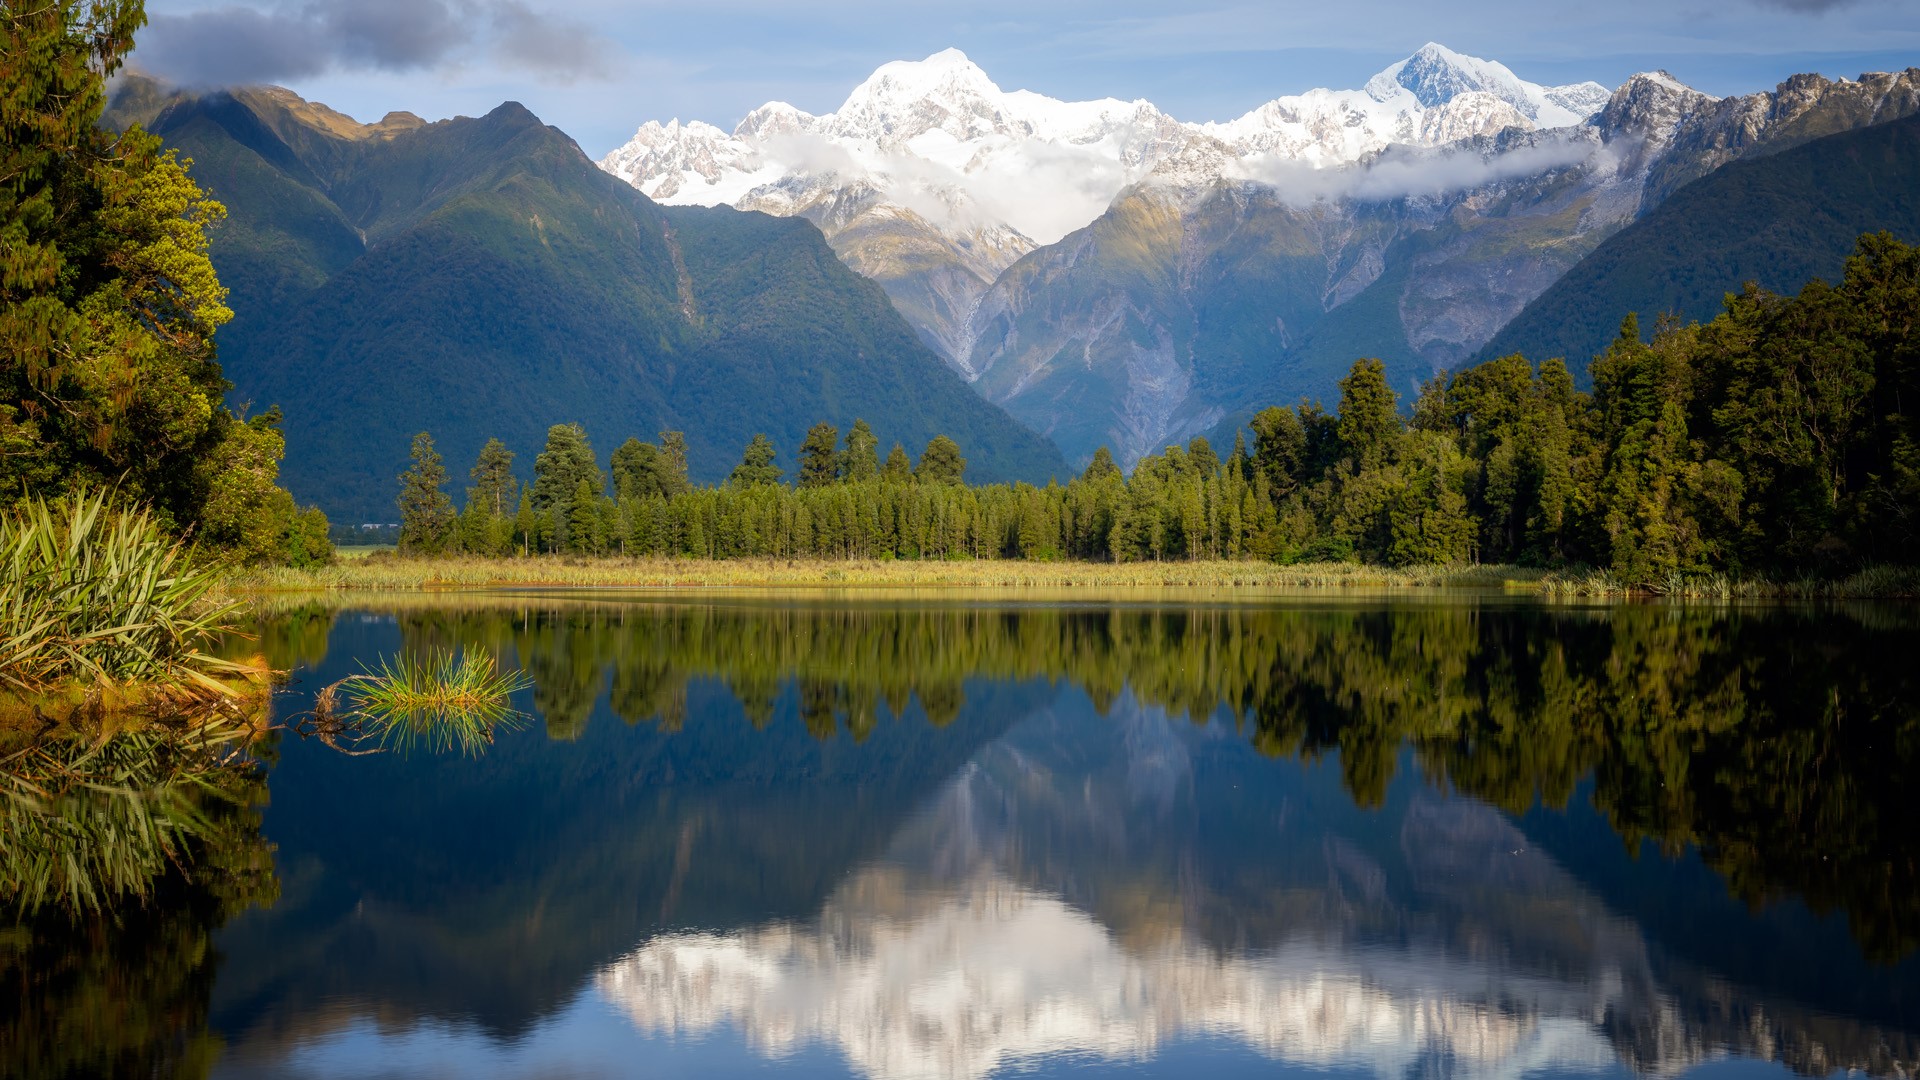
[[1279, 449], [940, 462], [1101, 467], [863, 453], [1201, 457], [1369, 424], [526, 524], [558, 470], [673, 463], [108, 301], [638, 470], [756, 465], [246, 514], [583, 520], [1238, 465], [426, 513], [820, 456], [898, 469], [494, 489]]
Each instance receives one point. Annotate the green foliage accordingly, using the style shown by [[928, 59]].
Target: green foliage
[[940, 462], [820, 462], [756, 468], [494, 487], [898, 469], [426, 513], [481, 277], [96, 594], [863, 453], [247, 515], [109, 303], [1771, 441], [443, 701]]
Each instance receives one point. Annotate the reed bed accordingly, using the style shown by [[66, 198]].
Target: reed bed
[[1873, 583], [97, 594], [616, 573]]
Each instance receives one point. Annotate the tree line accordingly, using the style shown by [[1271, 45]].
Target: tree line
[[1775, 439]]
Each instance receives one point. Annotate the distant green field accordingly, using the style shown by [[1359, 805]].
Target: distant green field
[[359, 551]]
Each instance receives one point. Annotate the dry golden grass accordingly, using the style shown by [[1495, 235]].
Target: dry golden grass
[[469, 572]]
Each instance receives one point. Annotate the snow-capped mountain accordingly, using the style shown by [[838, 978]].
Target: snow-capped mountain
[[1114, 276], [932, 180], [939, 138]]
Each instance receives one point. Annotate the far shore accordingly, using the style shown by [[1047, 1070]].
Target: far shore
[[387, 572], [470, 572]]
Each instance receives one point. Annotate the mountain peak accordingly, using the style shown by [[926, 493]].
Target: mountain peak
[[904, 99], [1435, 75], [945, 75]]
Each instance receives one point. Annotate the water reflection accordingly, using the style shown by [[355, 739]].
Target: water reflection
[[1773, 741], [120, 855], [1059, 899], [949, 839]]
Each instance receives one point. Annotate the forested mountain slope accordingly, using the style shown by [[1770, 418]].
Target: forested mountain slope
[[480, 277], [1779, 221]]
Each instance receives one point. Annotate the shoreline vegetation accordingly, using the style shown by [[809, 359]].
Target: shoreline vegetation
[[385, 573]]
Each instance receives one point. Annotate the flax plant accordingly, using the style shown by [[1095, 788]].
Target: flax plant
[[94, 593]]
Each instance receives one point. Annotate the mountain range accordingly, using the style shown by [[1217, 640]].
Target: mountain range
[[479, 277], [1114, 276], [1035, 278]]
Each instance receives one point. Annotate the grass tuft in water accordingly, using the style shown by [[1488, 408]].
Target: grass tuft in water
[[445, 701]]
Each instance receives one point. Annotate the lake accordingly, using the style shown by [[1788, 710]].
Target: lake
[[899, 836]]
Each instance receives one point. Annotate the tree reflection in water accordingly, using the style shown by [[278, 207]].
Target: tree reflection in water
[[1778, 742], [122, 855]]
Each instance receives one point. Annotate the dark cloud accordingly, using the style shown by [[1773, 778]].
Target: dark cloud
[[546, 44], [245, 44]]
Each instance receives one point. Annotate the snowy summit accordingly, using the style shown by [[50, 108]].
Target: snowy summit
[[938, 139]]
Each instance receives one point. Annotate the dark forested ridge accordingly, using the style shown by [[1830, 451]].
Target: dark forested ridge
[[1779, 221], [481, 277]]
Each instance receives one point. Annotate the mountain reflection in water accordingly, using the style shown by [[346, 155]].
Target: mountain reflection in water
[[1448, 943], [913, 838], [936, 962]]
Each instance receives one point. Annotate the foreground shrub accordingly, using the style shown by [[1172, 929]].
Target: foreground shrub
[[95, 593]]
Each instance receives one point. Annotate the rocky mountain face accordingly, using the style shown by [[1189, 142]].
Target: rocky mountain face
[[932, 180], [1112, 276]]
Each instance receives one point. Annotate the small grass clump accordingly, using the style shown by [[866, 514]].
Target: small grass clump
[[95, 594], [445, 701]]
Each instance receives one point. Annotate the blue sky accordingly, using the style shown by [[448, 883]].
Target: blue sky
[[597, 68]]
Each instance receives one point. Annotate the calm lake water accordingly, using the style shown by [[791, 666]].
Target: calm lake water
[[918, 837]]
